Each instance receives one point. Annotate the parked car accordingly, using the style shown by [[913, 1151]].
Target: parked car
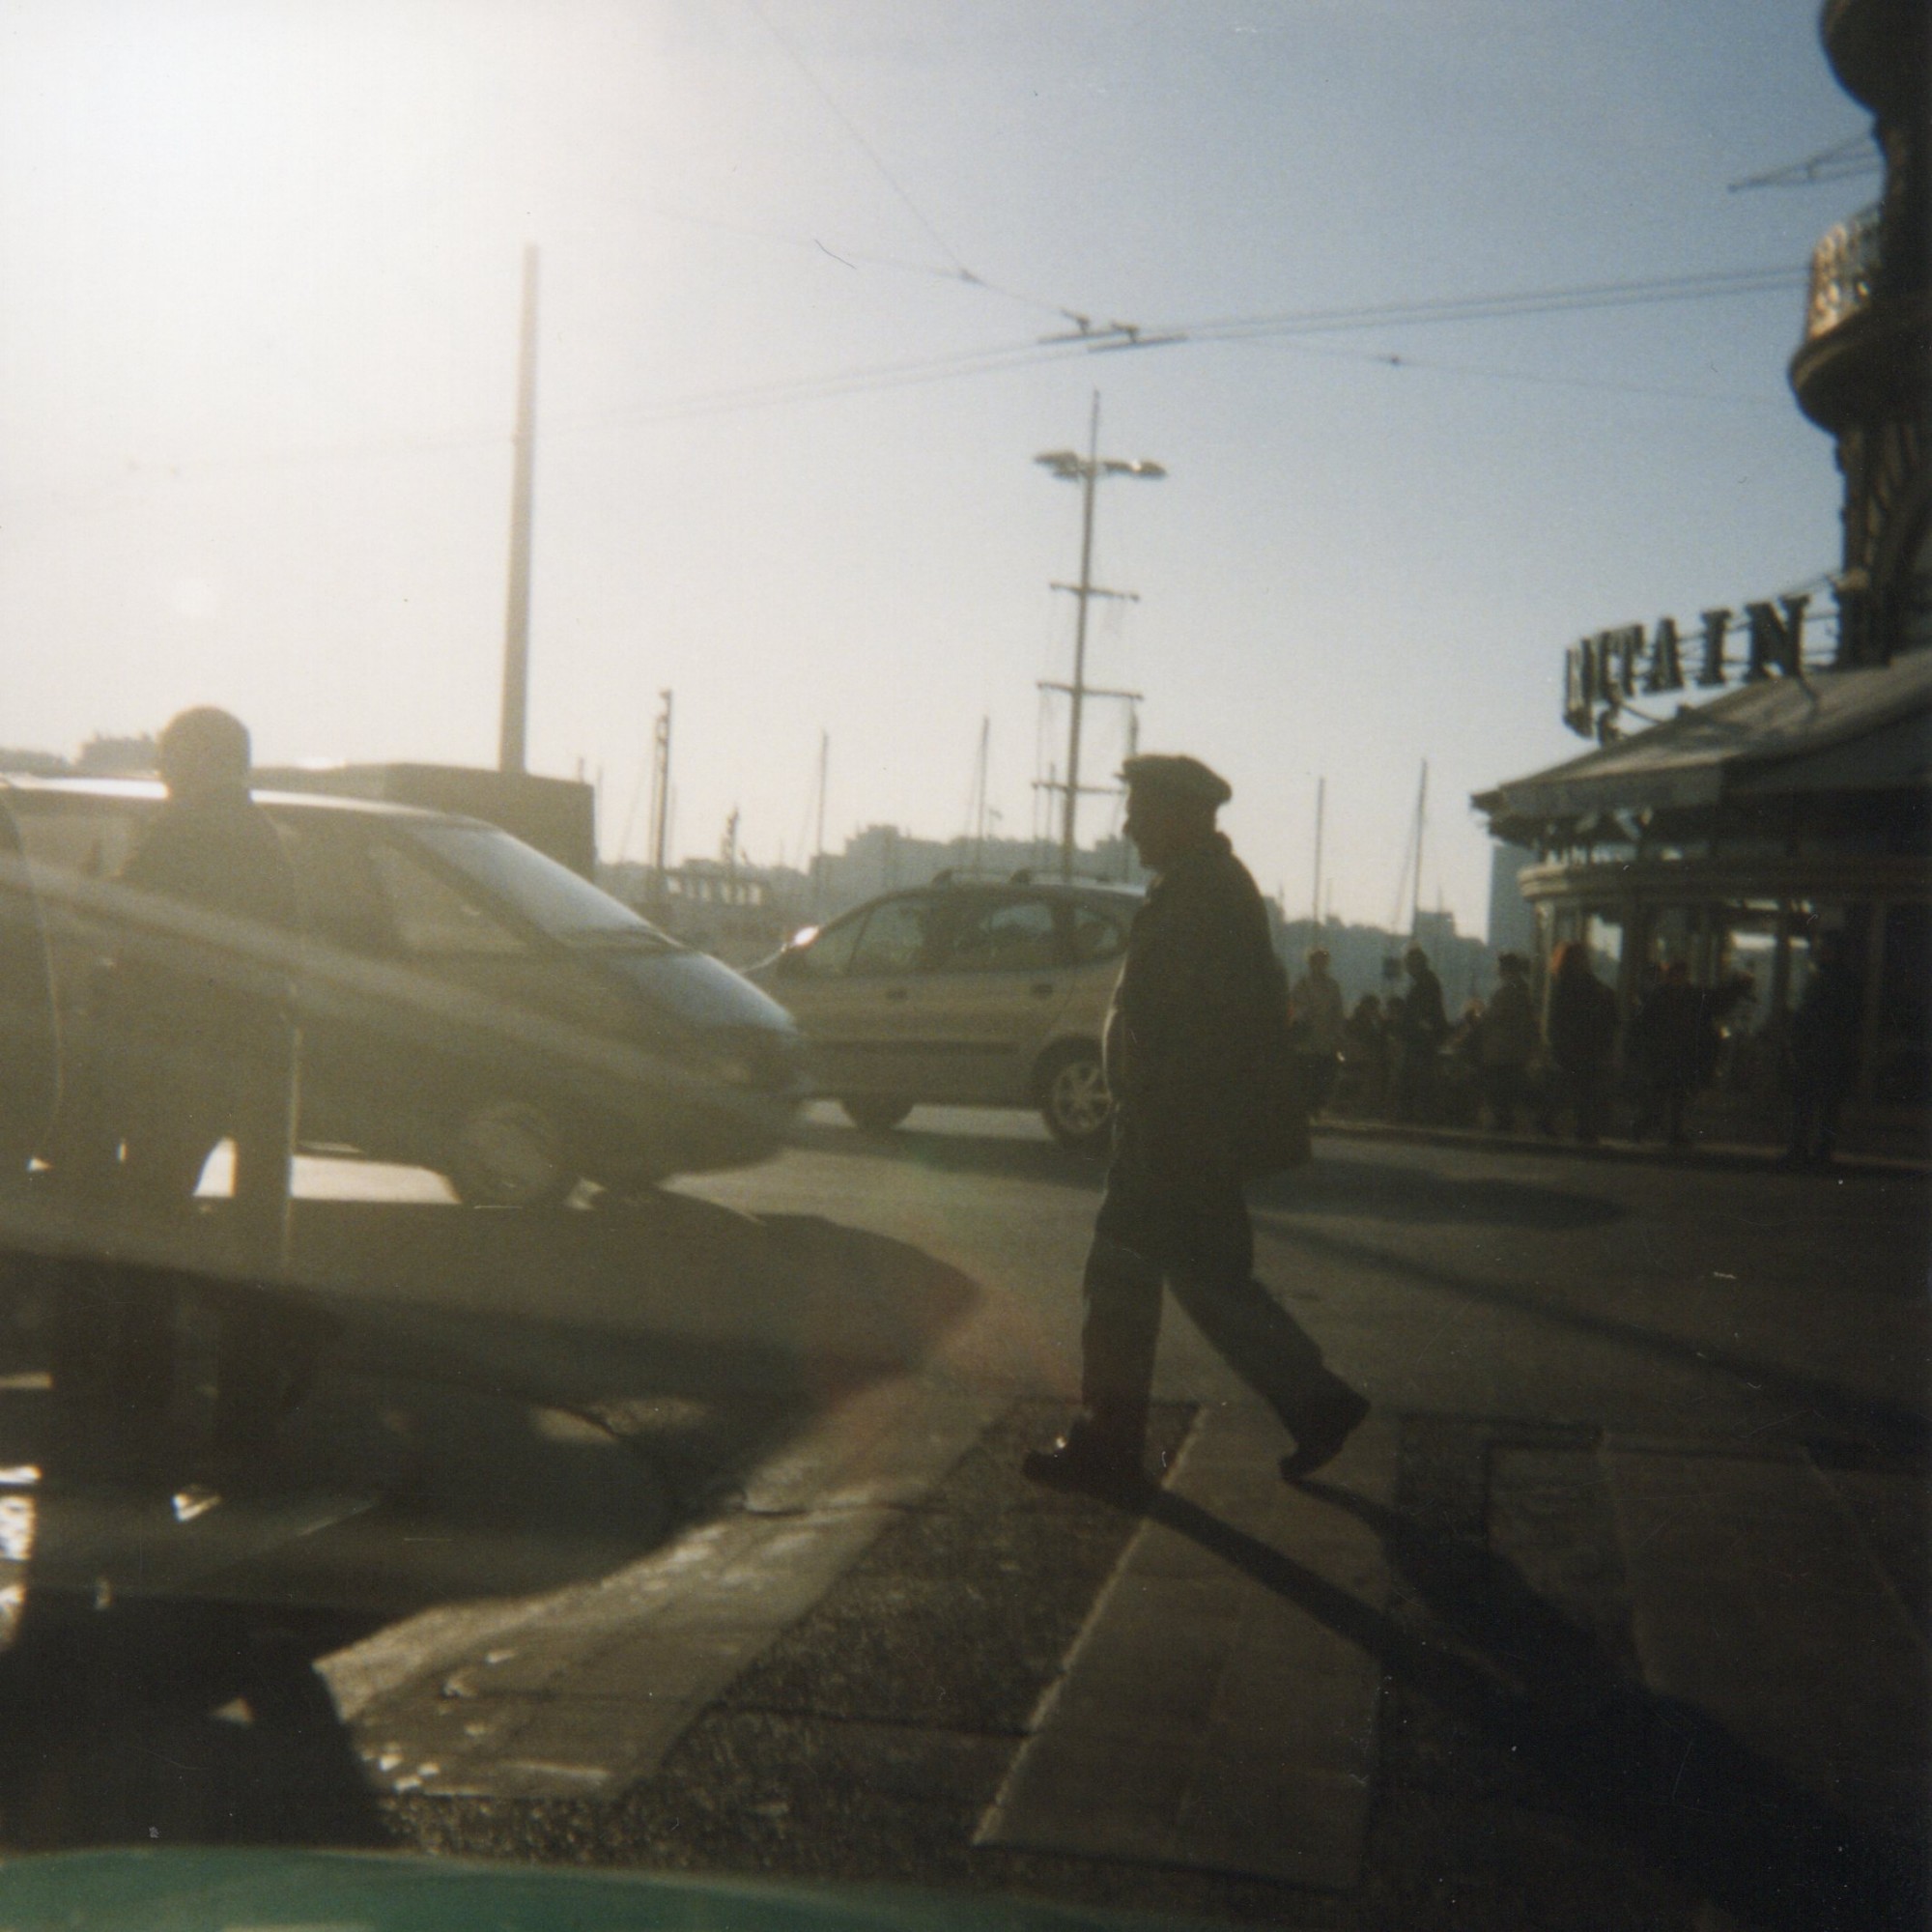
[[963, 993], [466, 1003]]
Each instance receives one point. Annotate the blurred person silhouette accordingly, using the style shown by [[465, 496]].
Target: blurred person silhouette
[[1671, 1045], [1508, 1043], [1316, 1003], [1365, 1057], [195, 1045], [1420, 1026], [1583, 1036], [1823, 1052], [29, 1050], [1198, 1012]]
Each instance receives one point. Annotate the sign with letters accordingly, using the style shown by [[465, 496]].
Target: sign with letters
[[1616, 670]]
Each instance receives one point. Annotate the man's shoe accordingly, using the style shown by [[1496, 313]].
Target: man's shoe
[[1087, 1457], [1319, 1436]]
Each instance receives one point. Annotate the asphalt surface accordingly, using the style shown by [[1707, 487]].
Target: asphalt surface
[[745, 1458]]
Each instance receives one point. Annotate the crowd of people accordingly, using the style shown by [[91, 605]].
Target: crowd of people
[[1504, 1064]]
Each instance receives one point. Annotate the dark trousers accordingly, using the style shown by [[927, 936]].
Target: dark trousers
[[1192, 1233], [1585, 1092], [1815, 1105], [149, 1118], [1505, 1088]]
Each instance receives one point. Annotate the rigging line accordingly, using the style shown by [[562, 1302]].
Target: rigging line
[[1529, 302], [1398, 361], [866, 147]]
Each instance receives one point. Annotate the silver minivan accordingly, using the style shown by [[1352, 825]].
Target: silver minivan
[[465, 1003], [964, 993]]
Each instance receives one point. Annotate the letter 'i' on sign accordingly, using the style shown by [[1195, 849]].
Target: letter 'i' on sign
[[1717, 628], [1664, 670], [1776, 642], [1575, 688]]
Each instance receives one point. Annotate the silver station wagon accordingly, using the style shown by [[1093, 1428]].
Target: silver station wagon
[[964, 994]]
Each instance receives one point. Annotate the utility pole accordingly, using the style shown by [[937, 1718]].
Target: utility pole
[[818, 849], [660, 794], [1087, 472], [977, 815], [1320, 801], [1421, 818], [523, 483]]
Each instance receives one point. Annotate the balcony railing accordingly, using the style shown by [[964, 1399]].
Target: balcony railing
[[1844, 272]]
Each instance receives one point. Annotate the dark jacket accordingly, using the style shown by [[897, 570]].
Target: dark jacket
[[216, 853], [1825, 1027], [1582, 1021], [1421, 1024], [1201, 1000]]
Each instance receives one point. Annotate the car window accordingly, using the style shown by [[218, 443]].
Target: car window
[[547, 894], [1095, 936], [828, 955], [432, 915], [1008, 936], [343, 901], [93, 840], [897, 937]]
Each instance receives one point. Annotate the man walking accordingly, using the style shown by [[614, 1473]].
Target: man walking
[[1508, 1043], [1186, 1052]]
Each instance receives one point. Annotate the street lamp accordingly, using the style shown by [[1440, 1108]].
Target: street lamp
[[1086, 471]]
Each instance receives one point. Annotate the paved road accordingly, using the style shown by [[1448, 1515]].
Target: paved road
[[692, 1534]]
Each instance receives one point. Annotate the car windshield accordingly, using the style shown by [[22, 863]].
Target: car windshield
[[550, 895], [966, 963]]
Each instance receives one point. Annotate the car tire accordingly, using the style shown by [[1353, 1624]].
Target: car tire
[[876, 1113], [508, 1153], [1073, 1098]]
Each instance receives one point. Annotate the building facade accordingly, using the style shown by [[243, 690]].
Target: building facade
[[1798, 799]]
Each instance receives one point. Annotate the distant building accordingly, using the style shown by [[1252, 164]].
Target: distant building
[[1511, 917]]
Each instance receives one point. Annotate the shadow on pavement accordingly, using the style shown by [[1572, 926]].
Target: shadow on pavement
[[506, 1405], [1725, 1820], [1886, 1426], [1387, 1191]]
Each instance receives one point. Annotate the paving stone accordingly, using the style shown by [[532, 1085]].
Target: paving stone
[[1203, 1719], [1757, 1599]]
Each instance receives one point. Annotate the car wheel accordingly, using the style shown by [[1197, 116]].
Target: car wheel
[[1075, 1101], [875, 1113], [508, 1153]]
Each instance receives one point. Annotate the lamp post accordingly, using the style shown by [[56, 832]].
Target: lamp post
[[1086, 471]]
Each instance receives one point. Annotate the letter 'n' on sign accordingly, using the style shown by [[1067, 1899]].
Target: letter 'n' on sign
[[1777, 640]]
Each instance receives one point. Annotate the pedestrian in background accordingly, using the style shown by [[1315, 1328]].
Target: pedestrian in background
[[1365, 1057], [1420, 1027], [1509, 1042], [1671, 1040], [1582, 1038], [1200, 1002], [1824, 1052], [1319, 1023]]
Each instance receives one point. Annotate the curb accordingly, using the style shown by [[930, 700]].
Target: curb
[[1720, 1157]]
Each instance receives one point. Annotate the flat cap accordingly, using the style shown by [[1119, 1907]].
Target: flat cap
[[1178, 776]]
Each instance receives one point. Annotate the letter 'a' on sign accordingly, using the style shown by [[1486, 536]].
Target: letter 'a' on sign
[[1663, 670]]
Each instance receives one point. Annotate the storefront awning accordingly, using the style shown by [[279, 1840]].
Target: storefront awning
[[1847, 730]]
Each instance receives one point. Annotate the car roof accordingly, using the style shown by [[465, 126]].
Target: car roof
[[150, 791], [1088, 891]]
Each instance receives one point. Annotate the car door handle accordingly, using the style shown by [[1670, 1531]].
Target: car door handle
[[896, 993], [1042, 990]]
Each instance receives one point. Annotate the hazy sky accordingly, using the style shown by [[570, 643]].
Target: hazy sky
[[258, 311]]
